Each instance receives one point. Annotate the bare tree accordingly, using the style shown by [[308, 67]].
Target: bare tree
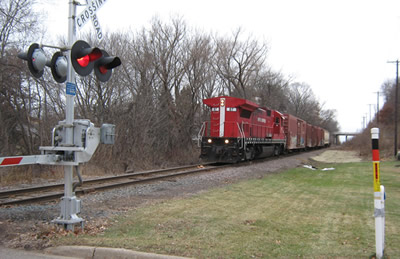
[[388, 90], [18, 22], [166, 47], [239, 63], [18, 95], [328, 120], [302, 103], [199, 82], [271, 89]]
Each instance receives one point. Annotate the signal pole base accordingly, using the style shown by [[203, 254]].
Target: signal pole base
[[70, 206]]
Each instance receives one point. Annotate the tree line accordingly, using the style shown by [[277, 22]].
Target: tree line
[[154, 98]]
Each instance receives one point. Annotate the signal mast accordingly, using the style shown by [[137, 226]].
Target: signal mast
[[73, 141]]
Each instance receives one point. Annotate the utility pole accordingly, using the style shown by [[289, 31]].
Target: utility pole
[[370, 113], [377, 108], [364, 122], [396, 105]]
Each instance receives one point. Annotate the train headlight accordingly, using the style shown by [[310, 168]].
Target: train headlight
[[226, 141], [209, 141]]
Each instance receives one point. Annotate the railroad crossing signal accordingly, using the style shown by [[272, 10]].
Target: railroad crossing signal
[[59, 67], [83, 57], [89, 13], [70, 153], [103, 67], [36, 59]]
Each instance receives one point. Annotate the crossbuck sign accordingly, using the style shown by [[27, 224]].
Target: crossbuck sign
[[90, 14]]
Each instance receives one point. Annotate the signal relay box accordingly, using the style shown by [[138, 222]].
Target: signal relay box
[[85, 139], [107, 134]]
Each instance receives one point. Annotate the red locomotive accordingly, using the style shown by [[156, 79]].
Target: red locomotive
[[242, 130]]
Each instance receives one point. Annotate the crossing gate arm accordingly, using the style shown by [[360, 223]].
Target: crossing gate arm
[[28, 160]]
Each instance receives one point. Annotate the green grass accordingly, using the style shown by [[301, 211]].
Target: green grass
[[298, 213]]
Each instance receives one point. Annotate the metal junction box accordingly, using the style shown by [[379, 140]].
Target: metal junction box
[[107, 134]]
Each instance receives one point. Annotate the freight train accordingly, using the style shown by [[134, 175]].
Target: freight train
[[240, 130]]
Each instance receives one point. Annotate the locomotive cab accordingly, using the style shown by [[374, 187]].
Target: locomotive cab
[[239, 129], [223, 137]]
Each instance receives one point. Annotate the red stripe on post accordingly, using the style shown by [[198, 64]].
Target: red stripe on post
[[11, 161], [375, 155]]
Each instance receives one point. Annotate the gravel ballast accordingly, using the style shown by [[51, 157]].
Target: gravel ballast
[[28, 226]]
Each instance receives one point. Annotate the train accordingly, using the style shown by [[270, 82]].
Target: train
[[240, 130]]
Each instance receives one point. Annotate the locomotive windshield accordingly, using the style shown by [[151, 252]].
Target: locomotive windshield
[[245, 113]]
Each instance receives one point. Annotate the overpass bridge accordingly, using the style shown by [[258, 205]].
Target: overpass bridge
[[336, 136]]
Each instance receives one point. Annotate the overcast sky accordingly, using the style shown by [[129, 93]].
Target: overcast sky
[[339, 47]]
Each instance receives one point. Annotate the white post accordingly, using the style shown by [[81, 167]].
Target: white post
[[383, 197], [70, 206], [69, 109], [379, 197], [379, 214]]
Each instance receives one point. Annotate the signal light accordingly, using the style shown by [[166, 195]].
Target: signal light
[[103, 66], [59, 67], [83, 57], [36, 59]]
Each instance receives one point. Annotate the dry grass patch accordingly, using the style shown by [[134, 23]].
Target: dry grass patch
[[297, 213]]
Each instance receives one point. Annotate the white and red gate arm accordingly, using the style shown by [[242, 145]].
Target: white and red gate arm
[[18, 160]]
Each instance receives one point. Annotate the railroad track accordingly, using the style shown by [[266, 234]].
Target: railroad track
[[55, 191]]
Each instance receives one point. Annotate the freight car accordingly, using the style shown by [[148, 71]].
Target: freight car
[[239, 129], [296, 132], [327, 138]]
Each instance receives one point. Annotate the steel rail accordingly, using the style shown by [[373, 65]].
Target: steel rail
[[91, 185], [54, 191]]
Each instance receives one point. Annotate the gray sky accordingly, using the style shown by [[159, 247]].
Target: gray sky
[[339, 47]]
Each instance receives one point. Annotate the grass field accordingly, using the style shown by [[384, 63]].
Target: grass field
[[300, 212]]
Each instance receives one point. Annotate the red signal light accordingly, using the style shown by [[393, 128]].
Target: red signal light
[[83, 61], [103, 67], [103, 70], [83, 57], [95, 55]]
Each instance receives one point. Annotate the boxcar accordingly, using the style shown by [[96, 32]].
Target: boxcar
[[327, 138], [295, 130]]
